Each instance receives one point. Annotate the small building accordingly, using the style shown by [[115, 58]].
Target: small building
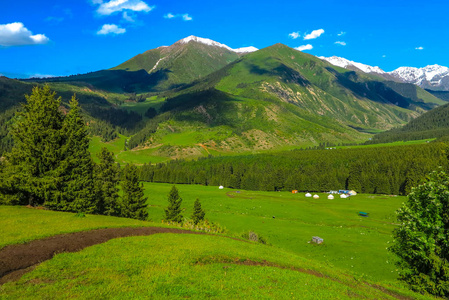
[[317, 240], [308, 195], [295, 192], [316, 196], [330, 197], [221, 187]]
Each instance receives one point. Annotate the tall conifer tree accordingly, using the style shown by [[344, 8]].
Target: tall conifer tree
[[133, 202], [31, 166], [173, 211], [106, 181], [198, 212], [76, 167]]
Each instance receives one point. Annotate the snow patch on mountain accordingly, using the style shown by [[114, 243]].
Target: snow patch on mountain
[[216, 44], [347, 64], [433, 76]]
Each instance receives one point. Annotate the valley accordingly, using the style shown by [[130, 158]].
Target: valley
[[243, 132]]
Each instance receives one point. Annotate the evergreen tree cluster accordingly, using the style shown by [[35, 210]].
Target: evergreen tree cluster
[[173, 210], [432, 124], [381, 170], [50, 164]]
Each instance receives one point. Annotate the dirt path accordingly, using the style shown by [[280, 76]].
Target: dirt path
[[16, 260]]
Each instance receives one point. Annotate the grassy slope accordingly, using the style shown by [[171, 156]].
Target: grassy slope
[[173, 266], [179, 64]]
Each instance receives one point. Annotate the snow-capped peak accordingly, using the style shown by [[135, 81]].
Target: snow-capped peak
[[216, 44], [345, 63], [433, 76]]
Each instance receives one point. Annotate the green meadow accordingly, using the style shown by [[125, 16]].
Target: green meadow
[[351, 263], [288, 221]]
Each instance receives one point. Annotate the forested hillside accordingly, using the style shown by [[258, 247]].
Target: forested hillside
[[433, 124], [383, 170]]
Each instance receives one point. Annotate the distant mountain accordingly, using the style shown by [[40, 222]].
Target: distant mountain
[[352, 65], [161, 69], [183, 62], [278, 97], [432, 77]]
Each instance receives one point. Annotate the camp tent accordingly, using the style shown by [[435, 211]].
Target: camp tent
[[316, 196], [330, 197], [308, 195], [343, 196], [352, 193], [221, 187]]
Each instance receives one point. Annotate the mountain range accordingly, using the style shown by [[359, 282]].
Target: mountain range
[[201, 94], [433, 77]]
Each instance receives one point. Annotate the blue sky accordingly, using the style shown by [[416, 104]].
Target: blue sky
[[78, 36]]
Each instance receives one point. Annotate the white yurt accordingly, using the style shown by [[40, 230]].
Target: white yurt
[[316, 196], [308, 195], [330, 197], [343, 196], [221, 187]]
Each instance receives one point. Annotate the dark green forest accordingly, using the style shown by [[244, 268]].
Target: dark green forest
[[377, 170], [432, 124]]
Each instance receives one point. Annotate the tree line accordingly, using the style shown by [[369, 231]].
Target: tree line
[[50, 164], [374, 170]]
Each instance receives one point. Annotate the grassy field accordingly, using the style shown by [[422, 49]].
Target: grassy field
[[289, 221], [169, 266], [352, 260]]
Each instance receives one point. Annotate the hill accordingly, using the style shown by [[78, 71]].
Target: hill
[[432, 124], [101, 109], [279, 97]]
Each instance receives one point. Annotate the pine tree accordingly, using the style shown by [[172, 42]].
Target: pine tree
[[75, 190], [133, 201], [173, 211], [106, 180], [198, 212], [31, 167]]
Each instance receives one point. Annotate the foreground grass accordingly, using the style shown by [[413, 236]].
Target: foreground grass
[[352, 243], [22, 224], [171, 266]]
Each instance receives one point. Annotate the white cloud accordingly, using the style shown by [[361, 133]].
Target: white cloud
[[107, 8], [314, 34], [294, 35], [419, 48], [111, 29], [304, 47], [186, 17], [340, 43], [128, 17], [16, 34], [341, 33]]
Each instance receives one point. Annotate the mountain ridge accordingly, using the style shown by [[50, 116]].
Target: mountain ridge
[[434, 77]]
